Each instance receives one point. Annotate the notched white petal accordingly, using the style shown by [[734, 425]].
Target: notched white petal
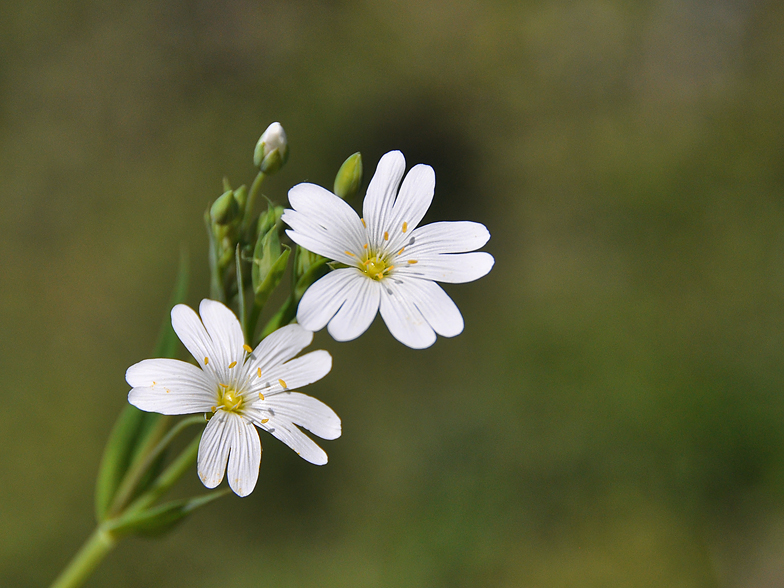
[[244, 458], [214, 449], [303, 445], [404, 320], [307, 412], [224, 330], [280, 346]]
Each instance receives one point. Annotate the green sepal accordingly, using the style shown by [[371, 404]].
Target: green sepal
[[349, 178], [161, 519], [133, 429], [225, 209], [308, 267], [269, 264], [268, 220]]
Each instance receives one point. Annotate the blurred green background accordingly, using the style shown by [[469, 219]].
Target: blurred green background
[[613, 414]]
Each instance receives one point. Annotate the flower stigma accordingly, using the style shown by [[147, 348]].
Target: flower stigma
[[229, 399], [375, 267]]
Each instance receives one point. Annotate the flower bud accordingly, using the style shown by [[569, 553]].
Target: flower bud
[[225, 209], [269, 264], [349, 177], [272, 150], [268, 220]]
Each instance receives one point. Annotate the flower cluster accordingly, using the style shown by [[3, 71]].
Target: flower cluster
[[387, 264]]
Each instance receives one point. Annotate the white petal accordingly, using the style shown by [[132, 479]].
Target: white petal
[[403, 318], [413, 200], [329, 213], [447, 237], [361, 306], [305, 411], [325, 297], [280, 346], [191, 331], [169, 386], [381, 194], [436, 306], [295, 373], [224, 330], [287, 432], [245, 456], [454, 268], [214, 448]]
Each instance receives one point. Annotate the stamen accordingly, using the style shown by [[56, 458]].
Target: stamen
[[261, 396], [232, 364], [386, 236], [365, 246], [247, 348], [401, 251], [388, 269], [412, 261], [206, 360], [258, 371], [364, 224], [405, 227], [282, 383], [264, 421], [214, 408], [349, 253]]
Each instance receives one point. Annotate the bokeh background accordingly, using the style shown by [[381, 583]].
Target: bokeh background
[[613, 414]]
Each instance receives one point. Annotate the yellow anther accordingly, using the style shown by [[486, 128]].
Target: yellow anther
[[214, 408], [258, 371], [349, 253], [232, 364], [389, 268], [405, 227], [282, 383], [364, 224], [206, 360], [386, 236], [153, 382], [264, 421], [247, 348], [412, 261], [261, 396], [365, 246], [401, 251]]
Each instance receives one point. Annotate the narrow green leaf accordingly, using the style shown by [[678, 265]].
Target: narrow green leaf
[[240, 291], [163, 518], [134, 429]]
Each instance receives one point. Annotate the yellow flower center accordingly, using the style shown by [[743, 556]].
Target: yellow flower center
[[374, 268], [229, 399]]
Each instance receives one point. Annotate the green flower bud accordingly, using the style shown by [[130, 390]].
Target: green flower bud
[[272, 149], [349, 177], [268, 220], [241, 196], [308, 267], [225, 209], [269, 264]]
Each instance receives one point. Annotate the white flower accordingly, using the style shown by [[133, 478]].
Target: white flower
[[242, 387], [393, 264]]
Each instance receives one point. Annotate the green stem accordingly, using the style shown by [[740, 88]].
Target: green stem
[[131, 481], [169, 477], [97, 546], [254, 191], [283, 317]]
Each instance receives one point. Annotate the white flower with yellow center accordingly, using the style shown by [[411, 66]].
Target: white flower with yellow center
[[239, 387], [393, 265]]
